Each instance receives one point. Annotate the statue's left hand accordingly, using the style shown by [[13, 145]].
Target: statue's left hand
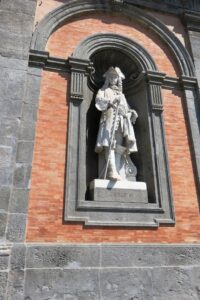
[[134, 115]]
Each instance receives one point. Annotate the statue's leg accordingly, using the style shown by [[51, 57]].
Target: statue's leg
[[112, 170]]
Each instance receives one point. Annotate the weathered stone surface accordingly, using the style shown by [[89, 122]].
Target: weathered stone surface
[[149, 256], [126, 284], [19, 6], [13, 63], [10, 108], [9, 127], [32, 88], [72, 257], [6, 175], [22, 175], [15, 35], [9, 142], [19, 201], [174, 283], [15, 288], [4, 197], [84, 272], [112, 272], [194, 274], [16, 27], [17, 261], [3, 283], [3, 219], [16, 227], [5, 156], [15, 23], [16, 274], [27, 131], [12, 83], [7, 160], [4, 260], [24, 152], [29, 112], [62, 284], [5, 165]]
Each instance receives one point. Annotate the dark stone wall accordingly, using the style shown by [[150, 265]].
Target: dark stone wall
[[111, 272], [16, 27]]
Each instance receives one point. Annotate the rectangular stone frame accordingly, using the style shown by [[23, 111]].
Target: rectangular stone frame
[[114, 213]]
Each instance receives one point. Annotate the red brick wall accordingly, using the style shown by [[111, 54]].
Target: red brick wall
[[45, 222], [63, 42], [171, 21]]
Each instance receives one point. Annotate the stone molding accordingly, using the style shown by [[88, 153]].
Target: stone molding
[[43, 255], [170, 6], [77, 208], [192, 21], [76, 7], [42, 59], [79, 68], [111, 40]]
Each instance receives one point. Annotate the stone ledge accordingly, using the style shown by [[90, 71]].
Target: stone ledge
[[73, 256]]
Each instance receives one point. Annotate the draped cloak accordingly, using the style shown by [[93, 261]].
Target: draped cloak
[[104, 100]]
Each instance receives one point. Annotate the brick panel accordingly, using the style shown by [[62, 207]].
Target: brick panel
[[45, 222], [63, 42]]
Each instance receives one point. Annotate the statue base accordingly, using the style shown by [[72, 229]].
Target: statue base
[[118, 191]]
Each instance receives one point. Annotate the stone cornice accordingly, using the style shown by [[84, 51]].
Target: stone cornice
[[41, 59], [192, 21], [74, 7], [170, 6]]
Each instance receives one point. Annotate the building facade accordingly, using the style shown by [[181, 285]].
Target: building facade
[[56, 242]]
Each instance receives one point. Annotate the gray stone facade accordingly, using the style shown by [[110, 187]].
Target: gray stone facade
[[16, 141], [100, 272], [63, 271]]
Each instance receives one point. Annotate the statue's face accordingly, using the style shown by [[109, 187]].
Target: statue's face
[[113, 79]]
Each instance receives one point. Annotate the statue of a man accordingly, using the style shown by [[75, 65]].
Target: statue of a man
[[116, 137]]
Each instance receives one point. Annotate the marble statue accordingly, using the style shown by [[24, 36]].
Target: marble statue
[[116, 138]]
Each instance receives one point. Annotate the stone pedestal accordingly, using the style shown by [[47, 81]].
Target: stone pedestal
[[118, 191]]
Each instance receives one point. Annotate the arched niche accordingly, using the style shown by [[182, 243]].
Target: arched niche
[[105, 50], [97, 53], [79, 67]]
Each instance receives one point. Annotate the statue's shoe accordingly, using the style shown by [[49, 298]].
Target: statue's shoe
[[113, 176]]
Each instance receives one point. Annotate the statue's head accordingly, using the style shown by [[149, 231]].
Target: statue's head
[[114, 76]]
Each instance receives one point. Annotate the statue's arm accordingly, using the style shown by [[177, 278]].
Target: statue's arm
[[134, 115], [101, 102]]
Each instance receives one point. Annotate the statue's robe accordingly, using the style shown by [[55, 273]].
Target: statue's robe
[[104, 100]]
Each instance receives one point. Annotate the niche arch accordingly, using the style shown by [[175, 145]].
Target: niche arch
[[78, 69], [149, 133], [74, 8]]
